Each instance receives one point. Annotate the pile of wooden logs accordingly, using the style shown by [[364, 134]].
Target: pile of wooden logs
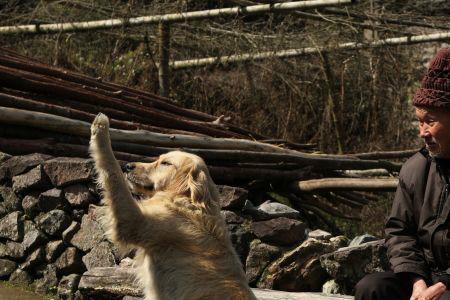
[[48, 110]]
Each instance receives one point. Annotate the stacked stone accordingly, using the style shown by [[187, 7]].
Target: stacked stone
[[51, 234]]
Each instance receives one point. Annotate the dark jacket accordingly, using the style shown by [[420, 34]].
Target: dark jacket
[[418, 225]]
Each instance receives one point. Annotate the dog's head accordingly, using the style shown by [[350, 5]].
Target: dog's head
[[177, 172]]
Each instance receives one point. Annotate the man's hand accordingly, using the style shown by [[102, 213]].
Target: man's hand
[[422, 292], [419, 287]]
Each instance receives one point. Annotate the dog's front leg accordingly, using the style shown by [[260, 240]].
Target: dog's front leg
[[127, 217]]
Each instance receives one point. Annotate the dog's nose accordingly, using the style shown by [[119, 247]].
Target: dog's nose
[[129, 167]]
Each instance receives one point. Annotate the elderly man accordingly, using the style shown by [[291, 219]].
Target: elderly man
[[417, 230]]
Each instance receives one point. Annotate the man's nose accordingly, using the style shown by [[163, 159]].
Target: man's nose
[[424, 131], [130, 167]]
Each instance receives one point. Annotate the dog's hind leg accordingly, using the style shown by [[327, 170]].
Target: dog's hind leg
[[127, 217]]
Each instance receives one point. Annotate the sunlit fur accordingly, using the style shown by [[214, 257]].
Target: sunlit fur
[[183, 246]]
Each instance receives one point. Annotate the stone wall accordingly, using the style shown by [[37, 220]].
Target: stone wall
[[51, 234]]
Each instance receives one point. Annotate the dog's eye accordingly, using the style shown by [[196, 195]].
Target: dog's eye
[[166, 163]]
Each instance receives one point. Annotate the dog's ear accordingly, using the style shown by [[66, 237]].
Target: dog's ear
[[201, 187]]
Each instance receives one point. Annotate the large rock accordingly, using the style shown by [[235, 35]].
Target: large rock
[[91, 232], [109, 283], [53, 250], [348, 265], [33, 260], [232, 217], [6, 268], [30, 205], [241, 238], [8, 201], [20, 277], [65, 171], [298, 269], [70, 262], [54, 222], [362, 239], [319, 234], [67, 287], [280, 231], [259, 257], [115, 283], [11, 226], [100, 256], [78, 195], [35, 179], [232, 197], [33, 237], [19, 164], [48, 284], [52, 199], [12, 250], [4, 157]]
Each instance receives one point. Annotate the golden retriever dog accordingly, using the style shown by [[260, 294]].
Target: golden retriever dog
[[183, 246]]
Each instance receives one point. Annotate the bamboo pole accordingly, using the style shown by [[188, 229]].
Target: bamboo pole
[[346, 184], [172, 18], [244, 57]]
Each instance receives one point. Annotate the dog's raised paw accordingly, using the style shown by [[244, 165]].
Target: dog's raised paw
[[100, 123]]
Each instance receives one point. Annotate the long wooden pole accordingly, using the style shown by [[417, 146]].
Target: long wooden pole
[[172, 18], [346, 184], [164, 54], [244, 57]]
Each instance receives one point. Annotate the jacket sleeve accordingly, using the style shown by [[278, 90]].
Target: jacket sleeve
[[404, 250]]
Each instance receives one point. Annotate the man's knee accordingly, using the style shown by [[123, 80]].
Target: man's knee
[[371, 283], [382, 286]]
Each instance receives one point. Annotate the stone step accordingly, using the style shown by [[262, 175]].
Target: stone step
[[105, 283]]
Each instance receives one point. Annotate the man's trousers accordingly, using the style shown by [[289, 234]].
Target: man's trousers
[[387, 286]]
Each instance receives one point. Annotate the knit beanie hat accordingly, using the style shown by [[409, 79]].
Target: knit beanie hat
[[435, 88]]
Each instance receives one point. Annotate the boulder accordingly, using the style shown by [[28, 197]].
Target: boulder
[[91, 231], [17, 165], [8, 201], [54, 249], [298, 269], [319, 234], [119, 283], [348, 265], [361, 239], [64, 171], [54, 222], [4, 157], [109, 283], [331, 287], [20, 277], [12, 250], [241, 237], [48, 284], [231, 197], [78, 195], [33, 237], [68, 234], [52, 199], [11, 226], [35, 179], [279, 231], [259, 257], [6, 268], [276, 210], [100, 256], [70, 262], [30, 205], [232, 217], [34, 259], [67, 287]]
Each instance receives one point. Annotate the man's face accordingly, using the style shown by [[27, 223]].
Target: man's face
[[434, 127]]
